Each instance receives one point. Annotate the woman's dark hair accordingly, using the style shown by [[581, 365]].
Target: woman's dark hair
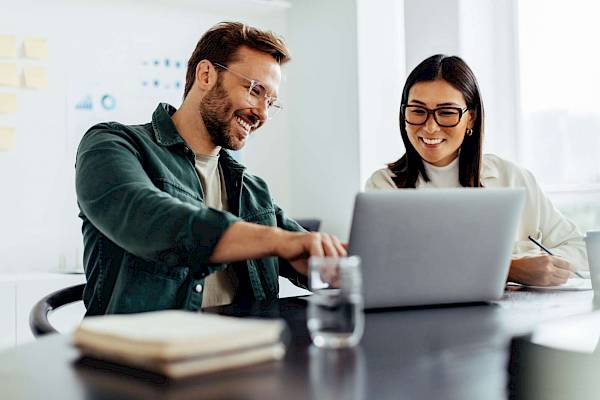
[[457, 73]]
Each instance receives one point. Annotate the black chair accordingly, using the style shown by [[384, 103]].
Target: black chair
[[38, 317], [310, 224]]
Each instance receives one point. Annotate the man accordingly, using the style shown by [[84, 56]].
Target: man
[[170, 219]]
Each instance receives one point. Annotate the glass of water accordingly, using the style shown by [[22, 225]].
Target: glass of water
[[335, 310]]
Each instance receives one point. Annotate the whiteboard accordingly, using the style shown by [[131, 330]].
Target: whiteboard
[[108, 61]]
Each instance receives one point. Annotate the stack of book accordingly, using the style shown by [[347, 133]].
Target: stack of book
[[178, 343]]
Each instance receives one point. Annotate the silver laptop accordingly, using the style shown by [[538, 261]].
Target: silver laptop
[[434, 246]]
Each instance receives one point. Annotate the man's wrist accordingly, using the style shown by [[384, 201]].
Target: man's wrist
[[275, 238]]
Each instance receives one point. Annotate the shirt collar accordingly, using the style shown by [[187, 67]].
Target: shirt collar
[[165, 131], [488, 169], [228, 161]]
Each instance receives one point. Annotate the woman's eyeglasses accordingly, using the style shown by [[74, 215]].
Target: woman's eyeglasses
[[446, 117]]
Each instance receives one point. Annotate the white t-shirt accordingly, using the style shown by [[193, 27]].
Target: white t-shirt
[[220, 286]]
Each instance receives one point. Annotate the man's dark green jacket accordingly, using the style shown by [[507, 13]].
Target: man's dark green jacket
[[147, 233]]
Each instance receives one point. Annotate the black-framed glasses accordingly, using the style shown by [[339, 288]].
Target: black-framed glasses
[[256, 93], [446, 117]]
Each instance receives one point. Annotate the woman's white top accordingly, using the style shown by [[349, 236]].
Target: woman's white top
[[540, 218]]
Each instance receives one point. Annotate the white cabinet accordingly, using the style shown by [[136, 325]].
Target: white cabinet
[[8, 315], [18, 295], [20, 292]]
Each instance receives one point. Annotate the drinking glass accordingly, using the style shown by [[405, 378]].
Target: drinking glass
[[335, 310]]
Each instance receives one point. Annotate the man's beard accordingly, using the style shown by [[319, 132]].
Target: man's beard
[[215, 109]]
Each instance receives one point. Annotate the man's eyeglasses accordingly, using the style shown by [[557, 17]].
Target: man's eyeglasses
[[257, 93], [446, 117]]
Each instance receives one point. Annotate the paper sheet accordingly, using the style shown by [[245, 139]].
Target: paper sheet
[[8, 103], [8, 46], [573, 284], [8, 75], [36, 47], [7, 138], [35, 77]]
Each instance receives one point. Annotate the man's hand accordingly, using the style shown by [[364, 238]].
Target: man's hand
[[297, 247], [543, 270], [243, 241]]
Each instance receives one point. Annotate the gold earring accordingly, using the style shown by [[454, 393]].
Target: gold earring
[[469, 132]]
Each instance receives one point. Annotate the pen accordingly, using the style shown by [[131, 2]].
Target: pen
[[541, 246]]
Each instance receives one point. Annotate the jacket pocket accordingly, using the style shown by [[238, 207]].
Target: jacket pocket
[[262, 217], [146, 286]]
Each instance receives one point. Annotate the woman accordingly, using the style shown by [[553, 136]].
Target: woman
[[441, 122]]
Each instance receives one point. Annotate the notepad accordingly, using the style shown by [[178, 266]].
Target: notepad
[[35, 47], [35, 77], [7, 138], [179, 343], [8, 46], [8, 75], [573, 284], [8, 103]]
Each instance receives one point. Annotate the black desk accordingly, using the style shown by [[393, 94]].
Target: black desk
[[430, 353]]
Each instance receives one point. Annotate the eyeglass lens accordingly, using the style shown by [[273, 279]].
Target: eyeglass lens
[[258, 93], [446, 117]]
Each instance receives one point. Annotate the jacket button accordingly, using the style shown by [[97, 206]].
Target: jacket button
[[198, 288]]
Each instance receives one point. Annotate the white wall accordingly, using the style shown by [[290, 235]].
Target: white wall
[[381, 70], [323, 112], [482, 32], [39, 228], [488, 42], [431, 27]]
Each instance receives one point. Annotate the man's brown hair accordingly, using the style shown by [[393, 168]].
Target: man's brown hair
[[221, 42]]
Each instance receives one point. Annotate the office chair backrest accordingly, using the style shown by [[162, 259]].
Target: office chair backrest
[[310, 224], [38, 317]]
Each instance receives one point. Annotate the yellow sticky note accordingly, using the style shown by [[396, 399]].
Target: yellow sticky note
[[7, 138], [35, 47], [35, 77], [8, 75], [8, 46], [8, 103]]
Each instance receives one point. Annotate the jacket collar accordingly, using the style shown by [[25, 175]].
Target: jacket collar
[[165, 131], [488, 169], [229, 162]]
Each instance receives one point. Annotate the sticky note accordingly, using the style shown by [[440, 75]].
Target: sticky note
[[35, 77], [35, 47], [8, 103], [8, 46], [7, 138], [8, 75]]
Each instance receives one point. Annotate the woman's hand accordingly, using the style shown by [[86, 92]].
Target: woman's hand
[[543, 270]]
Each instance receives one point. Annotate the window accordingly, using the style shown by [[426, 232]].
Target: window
[[560, 89]]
